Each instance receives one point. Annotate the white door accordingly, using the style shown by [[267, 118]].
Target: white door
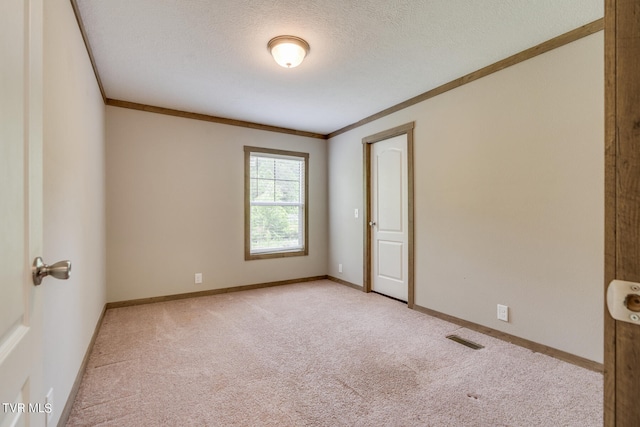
[[21, 396], [390, 218]]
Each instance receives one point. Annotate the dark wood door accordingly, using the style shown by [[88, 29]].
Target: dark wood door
[[622, 204]]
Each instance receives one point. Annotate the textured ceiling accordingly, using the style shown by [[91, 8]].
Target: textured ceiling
[[210, 56]]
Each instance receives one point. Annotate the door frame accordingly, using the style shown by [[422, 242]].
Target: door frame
[[366, 155], [622, 206]]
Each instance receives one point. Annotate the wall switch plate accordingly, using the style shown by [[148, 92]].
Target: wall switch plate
[[503, 312], [339, 268], [198, 279], [356, 213]]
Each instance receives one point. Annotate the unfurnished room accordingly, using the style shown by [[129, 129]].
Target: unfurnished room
[[319, 213]]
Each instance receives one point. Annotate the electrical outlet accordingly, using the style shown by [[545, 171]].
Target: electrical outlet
[[198, 278], [503, 312], [339, 268], [48, 408]]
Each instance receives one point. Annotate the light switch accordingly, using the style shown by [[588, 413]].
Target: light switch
[[356, 213]]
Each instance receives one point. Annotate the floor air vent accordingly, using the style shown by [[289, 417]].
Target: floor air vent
[[463, 341]]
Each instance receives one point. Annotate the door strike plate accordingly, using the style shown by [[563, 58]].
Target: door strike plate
[[623, 301]]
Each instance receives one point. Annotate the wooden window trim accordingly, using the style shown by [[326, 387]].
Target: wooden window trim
[[247, 205]]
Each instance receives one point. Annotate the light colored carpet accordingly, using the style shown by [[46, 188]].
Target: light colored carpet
[[318, 354]]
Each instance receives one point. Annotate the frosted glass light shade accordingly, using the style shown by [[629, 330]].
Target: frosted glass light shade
[[288, 51]]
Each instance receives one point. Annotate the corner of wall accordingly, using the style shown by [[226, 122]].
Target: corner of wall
[[74, 200]]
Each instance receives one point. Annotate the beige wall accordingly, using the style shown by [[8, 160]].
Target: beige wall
[[175, 206], [74, 193], [509, 199]]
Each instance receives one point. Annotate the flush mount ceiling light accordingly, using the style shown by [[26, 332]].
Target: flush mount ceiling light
[[288, 51]]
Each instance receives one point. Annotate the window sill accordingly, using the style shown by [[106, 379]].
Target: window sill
[[269, 255]]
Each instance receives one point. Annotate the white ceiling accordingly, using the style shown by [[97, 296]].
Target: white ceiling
[[210, 56]]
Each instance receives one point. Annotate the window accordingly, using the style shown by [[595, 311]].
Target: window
[[276, 203]]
